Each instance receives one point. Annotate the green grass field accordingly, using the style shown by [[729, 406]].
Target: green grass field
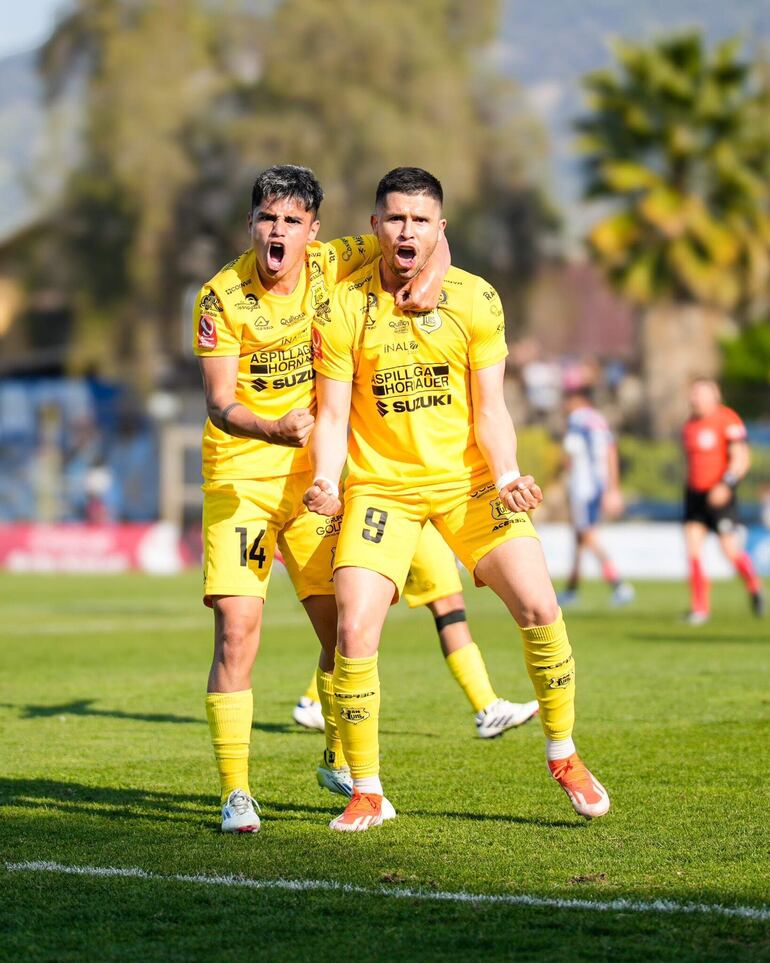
[[106, 763]]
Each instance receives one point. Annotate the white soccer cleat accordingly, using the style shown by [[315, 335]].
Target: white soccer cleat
[[308, 713], [622, 594], [364, 811], [336, 779], [588, 796], [697, 618], [239, 813], [502, 715]]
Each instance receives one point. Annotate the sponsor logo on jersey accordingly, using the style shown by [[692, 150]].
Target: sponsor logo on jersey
[[400, 346], [400, 326], [317, 345], [249, 303], [443, 298], [483, 491], [706, 439], [429, 322], [293, 319], [370, 310], [347, 254], [281, 369], [207, 332], [238, 287], [410, 379], [359, 284], [407, 405], [262, 323]]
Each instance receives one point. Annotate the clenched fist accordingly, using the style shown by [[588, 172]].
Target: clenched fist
[[293, 430], [523, 494], [323, 498]]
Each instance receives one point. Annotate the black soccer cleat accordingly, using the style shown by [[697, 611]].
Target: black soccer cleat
[[758, 604]]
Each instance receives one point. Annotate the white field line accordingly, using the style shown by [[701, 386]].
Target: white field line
[[306, 885]]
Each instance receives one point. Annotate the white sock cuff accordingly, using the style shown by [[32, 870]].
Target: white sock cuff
[[369, 784], [559, 748]]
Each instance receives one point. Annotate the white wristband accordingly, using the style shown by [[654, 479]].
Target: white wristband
[[335, 490], [507, 477]]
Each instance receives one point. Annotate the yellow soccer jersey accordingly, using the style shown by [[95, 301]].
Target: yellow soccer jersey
[[270, 333], [411, 414]]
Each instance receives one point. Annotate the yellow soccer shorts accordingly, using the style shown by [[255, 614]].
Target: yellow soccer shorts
[[244, 521], [381, 529], [433, 573]]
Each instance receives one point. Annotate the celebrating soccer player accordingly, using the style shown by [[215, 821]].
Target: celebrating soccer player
[[430, 439], [593, 486], [252, 324], [718, 457]]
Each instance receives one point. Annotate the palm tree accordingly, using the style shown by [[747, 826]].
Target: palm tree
[[678, 143]]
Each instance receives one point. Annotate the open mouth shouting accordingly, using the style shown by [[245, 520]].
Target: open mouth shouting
[[275, 255], [406, 257]]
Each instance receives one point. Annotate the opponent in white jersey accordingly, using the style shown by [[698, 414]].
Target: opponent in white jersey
[[593, 488]]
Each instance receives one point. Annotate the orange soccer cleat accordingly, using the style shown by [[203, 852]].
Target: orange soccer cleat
[[364, 811], [588, 796]]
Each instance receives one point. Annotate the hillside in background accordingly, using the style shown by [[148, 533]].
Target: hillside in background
[[546, 46]]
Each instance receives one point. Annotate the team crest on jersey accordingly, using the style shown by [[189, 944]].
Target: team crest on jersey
[[706, 439], [429, 322], [210, 304], [207, 332]]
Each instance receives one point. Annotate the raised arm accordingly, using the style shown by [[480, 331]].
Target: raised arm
[[220, 377], [329, 445], [496, 438]]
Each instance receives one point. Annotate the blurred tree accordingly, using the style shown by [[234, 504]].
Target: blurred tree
[[678, 143], [184, 102], [354, 89]]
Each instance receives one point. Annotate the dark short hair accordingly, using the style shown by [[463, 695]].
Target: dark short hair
[[288, 181], [410, 180]]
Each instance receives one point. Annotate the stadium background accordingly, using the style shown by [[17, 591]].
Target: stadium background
[[631, 252], [131, 135]]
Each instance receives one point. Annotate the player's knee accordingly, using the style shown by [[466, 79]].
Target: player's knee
[[355, 638], [237, 644], [538, 612]]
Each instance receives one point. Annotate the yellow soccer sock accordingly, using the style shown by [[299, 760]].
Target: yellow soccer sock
[[230, 715], [470, 672], [334, 754], [357, 695], [312, 691], [551, 668]]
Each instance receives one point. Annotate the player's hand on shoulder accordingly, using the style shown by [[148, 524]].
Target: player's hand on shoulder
[[523, 494], [423, 292], [293, 429], [323, 498]]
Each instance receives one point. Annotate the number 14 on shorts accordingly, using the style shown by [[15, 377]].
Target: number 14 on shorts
[[256, 553]]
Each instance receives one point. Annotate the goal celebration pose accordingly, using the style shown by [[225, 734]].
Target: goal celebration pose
[[252, 336], [430, 440]]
